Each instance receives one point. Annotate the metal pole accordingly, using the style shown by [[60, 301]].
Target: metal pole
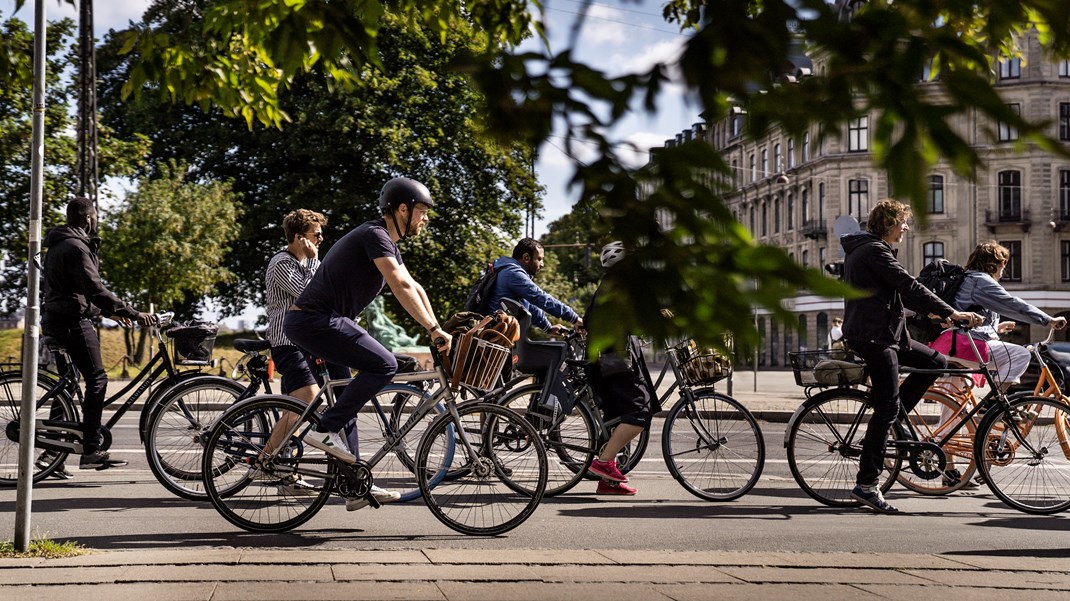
[[31, 334]]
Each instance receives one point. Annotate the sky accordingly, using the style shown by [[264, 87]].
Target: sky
[[617, 38]]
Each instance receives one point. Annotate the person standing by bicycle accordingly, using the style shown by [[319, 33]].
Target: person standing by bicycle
[[515, 281], [74, 297], [875, 329], [322, 321], [618, 380]]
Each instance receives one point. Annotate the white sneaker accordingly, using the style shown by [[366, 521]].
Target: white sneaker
[[295, 486], [332, 443], [381, 494]]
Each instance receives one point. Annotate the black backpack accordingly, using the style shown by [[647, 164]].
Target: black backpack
[[482, 291], [944, 279]]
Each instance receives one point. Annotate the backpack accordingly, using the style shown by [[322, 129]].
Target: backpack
[[944, 279], [482, 291]]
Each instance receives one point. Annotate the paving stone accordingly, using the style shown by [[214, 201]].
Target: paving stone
[[191, 591], [336, 556], [785, 559], [228, 573], [996, 579], [822, 575], [435, 572], [522, 556], [767, 592], [327, 591], [958, 593], [44, 575], [152, 557], [652, 574], [507, 591], [1029, 564]]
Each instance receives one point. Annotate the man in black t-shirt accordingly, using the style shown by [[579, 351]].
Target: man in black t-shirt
[[323, 319]]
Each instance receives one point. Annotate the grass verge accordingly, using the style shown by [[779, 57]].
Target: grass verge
[[43, 547]]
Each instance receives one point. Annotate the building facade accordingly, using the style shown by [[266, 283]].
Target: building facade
[[800, 193]]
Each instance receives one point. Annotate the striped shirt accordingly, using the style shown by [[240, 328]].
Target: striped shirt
[[284, 280]]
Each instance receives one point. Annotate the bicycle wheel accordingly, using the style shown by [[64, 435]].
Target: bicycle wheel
[[824, 443], [933, 418], [282, 495], [1025, 454], [176, 431], [569, 439], [505, 469], [58, 406], [713, 446], [396, 471]]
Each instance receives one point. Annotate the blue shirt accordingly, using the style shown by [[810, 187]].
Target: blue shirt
[[515, 283], [348, 280]]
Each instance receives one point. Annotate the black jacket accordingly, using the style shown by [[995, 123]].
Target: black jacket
[[871, 265], [72, 285]]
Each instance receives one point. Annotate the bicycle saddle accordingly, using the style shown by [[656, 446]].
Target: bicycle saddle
[[247, 345]]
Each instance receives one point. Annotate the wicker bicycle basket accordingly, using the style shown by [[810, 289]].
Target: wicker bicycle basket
[[700, 366], [479, 364], [192, 344]]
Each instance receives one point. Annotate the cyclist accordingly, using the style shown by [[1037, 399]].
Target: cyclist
[[287, 274], [74, 297], [322, 320], [515, 282], [618, 381], [875, 329]]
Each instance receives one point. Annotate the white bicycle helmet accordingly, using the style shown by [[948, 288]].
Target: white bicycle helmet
[[612, 253]]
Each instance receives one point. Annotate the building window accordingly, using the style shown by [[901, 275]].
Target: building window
[[1013, 271], [822, 257], [1066, 260], [753, 232], [1010, 68], [806, 147], [936, 194], [858, 198], [822, 329], [765, 162], [774, 339], [805, 258], [931, 251], [1008, 132], [1064, 68], [1010, 195], [1064, 195], [736, 126], [735, 173], [858, 135], [805, 202], [776, 215], [791, 152], [765, 218], [821, 202], [777, 159], [1064, 121], [791, 211], [753, 168]]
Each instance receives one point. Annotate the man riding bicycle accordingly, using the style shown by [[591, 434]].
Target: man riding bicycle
[[322, 320]]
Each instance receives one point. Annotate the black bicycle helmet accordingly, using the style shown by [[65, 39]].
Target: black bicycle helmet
[[403, 191]]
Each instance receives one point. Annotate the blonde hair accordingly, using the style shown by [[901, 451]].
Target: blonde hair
[[884, 215], [988, 257], [299, 222]]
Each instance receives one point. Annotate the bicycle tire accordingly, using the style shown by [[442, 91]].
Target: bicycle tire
[[176, 432], [1024, 454], [932, 419], [240, 495], [824, 441], [60, 406], [713, 446], [569, 440], [505, 479]]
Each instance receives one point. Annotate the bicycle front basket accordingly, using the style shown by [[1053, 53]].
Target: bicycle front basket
[[479, 363], [700, 367], [192, 343]]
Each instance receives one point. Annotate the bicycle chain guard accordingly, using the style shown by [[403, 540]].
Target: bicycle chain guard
[[354, 480]]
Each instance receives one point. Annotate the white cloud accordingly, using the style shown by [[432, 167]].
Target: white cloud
[[642, 141], [604, 25]]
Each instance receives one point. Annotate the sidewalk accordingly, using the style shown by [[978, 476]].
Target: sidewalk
[[220, 574]]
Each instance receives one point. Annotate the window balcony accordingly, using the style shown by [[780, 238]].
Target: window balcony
[[813, 229], [994, 220]]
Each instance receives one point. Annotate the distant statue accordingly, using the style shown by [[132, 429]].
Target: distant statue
[[388, 333]]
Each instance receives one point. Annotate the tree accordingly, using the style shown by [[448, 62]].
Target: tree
[[412, 117], [706, 266], [165, 243]]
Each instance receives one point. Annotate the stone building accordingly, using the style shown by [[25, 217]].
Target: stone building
[[798, 193]]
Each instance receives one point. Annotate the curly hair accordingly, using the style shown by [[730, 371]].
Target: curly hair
[[988, 257], [884, 215], [299, 222]]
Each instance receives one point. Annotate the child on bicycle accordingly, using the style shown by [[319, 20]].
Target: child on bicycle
[[618, 380]]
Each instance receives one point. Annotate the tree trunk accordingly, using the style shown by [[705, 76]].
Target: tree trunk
[[143, 336], [128, 340]]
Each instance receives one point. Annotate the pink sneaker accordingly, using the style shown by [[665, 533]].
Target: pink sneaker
[[607, 470], [614, 488]]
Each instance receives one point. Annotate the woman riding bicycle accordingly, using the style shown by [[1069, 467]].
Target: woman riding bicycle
[[875, 329]]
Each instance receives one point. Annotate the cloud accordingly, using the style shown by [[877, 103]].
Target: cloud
[[642, 141]]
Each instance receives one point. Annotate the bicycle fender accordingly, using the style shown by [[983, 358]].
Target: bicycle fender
[[162, 394], [794, 418]]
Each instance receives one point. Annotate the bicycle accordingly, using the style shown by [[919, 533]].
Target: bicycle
[[712, 445], [495, 459], [823, 438], [58, 431]]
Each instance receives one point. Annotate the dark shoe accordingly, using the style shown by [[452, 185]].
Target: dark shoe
[[99, 461], [952, 477], [872, 499], [61, 473], [608, 487]]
